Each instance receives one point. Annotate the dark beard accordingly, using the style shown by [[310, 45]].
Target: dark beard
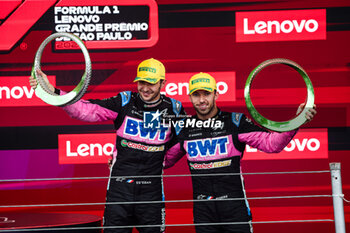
[[205, 114]]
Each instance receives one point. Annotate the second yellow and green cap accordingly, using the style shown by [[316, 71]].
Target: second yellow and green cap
[[202, 81]]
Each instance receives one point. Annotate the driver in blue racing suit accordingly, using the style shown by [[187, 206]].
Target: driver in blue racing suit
[[139, 150], [218, 149]]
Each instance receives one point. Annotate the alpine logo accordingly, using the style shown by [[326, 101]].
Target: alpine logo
[[281, 25]]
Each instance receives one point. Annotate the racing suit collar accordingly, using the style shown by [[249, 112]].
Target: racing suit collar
[[145, 104], [217, 115]]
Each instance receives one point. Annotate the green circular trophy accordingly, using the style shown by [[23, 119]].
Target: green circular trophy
[[43, 91], [279, 126]]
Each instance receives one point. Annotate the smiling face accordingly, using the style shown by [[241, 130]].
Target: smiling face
[[149, 92], [204, 103]]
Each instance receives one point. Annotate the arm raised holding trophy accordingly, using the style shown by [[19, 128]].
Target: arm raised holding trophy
[[214, 157], [135, 155]]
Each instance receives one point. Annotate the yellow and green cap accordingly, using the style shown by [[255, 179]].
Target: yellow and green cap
[[202, 81], [151, 71]]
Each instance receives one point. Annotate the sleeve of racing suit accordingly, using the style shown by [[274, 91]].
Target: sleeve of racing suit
[[175, 152], [257, 137], [94, 110], [173, 155]]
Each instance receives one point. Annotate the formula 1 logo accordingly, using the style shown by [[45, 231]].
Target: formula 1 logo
[[207, 147], [93, 21], [19, 17]]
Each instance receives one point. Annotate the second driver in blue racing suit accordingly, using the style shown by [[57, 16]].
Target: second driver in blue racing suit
[[213, 142]]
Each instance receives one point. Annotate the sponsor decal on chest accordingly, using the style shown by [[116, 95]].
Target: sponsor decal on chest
[[211, 165], [207, 147], [135, 128], [139, 146]]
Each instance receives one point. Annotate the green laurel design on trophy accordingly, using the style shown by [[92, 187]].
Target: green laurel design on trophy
[[279, 126], [42, 90]]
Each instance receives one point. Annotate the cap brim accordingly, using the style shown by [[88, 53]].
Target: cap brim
[[201, 88], [149, 80]]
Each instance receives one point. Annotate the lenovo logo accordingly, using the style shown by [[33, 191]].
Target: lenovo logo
[[286, 26], [85, 148], [181, 88], [98, 148], [92, 149], [177, 86], [281, 25], [307, 144], [15, 91]]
